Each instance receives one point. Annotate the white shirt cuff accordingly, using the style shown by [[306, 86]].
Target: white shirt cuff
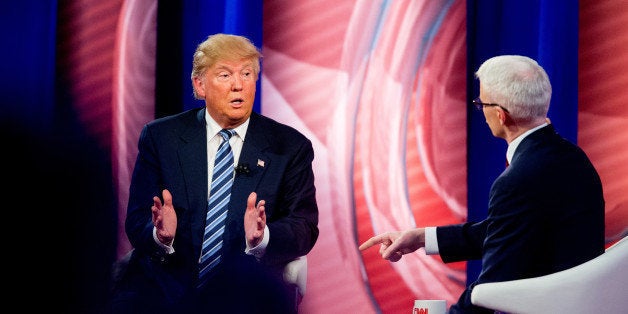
[[260, 249], [169, 249], [431, 241]]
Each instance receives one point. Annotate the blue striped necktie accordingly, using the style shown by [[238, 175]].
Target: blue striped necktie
[[222, 179]]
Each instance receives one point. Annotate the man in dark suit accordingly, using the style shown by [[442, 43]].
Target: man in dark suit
[[545, 211], [272, 214]]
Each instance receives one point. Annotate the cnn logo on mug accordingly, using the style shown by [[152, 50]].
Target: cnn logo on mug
[[429, 307]]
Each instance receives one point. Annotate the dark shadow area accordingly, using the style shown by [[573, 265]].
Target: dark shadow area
[[60, 219]]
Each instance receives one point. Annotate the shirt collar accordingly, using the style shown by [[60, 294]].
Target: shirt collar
[[213, 128], [512, 147]]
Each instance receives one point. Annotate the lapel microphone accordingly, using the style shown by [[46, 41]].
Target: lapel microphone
[[242, 169]]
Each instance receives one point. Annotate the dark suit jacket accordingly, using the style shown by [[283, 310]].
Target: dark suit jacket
[[545, 214], [173, 155]]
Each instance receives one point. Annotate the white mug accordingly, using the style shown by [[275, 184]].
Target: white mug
[[429, 307]]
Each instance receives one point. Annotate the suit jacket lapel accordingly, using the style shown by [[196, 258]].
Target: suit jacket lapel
[[193, 158], [257, 161]]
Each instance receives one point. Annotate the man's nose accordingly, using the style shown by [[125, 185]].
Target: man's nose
[[237, 82]]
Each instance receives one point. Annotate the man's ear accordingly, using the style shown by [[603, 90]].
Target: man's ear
[[503, 116], [199, 87]]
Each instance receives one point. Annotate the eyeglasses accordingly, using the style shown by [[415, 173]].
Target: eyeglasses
[[479, 105]]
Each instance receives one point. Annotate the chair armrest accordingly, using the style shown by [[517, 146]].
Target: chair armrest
[[295, 273], [596, 286]]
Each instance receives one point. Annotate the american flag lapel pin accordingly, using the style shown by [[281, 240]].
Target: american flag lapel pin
[[260, 163]]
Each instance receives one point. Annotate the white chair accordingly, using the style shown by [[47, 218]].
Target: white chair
[[597, 286], [295, 273]]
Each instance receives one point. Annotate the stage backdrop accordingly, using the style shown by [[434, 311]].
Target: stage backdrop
[[382, 88]]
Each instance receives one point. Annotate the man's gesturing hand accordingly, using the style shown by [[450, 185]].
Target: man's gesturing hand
[[393, 245], [164, 218], [254, 220]]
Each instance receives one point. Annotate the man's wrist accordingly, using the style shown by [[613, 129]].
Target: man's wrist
[[168, 248]]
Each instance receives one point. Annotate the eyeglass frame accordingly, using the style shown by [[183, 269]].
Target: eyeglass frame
[[479, 105]]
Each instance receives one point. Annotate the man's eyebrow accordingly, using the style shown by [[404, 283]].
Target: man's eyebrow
[[228, 68]]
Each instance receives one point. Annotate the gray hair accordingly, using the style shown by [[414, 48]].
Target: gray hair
[[517, 83]]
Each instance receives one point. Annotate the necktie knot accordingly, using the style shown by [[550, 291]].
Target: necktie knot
[[226, 134]]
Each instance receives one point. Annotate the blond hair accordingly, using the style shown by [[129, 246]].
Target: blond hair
[[223, 47]]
